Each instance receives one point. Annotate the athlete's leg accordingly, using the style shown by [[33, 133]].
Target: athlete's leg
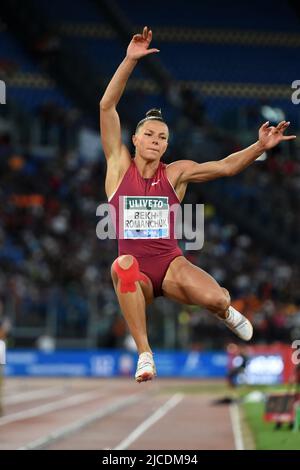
[[133, 294], [189, 284]]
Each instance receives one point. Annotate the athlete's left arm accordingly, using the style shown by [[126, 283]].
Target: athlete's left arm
[[269, 136]]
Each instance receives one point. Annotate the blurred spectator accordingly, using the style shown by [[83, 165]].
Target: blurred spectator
[[5, 327], [238, 359]]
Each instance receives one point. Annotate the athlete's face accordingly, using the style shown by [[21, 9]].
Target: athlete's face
[[151, 140]]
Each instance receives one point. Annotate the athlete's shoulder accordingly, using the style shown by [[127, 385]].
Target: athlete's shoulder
[[176, 168], [177, 163]]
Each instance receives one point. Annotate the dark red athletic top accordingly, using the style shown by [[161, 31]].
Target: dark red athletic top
[[145, 223]]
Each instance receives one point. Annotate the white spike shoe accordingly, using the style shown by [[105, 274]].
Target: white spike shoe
[[239, 324], [145, 367]]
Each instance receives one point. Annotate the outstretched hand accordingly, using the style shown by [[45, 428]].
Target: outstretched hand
[[271, 136], [139, 45]]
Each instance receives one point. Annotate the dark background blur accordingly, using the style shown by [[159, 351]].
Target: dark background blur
[[224, 68]]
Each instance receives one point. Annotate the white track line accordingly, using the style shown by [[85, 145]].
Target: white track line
[[33, 395], [160, 412], [49, 407], [77, 425], [236, 426]]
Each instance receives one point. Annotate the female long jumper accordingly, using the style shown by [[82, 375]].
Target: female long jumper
[[150, 262]]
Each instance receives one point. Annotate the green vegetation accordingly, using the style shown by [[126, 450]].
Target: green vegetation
[[265, 435]]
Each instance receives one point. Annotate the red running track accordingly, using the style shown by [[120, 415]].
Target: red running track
[[95, 414]]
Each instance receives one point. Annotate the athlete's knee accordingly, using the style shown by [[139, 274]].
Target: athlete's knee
[[227, 295], [127, 270], [126, 261], [217, 301], [123, 261]]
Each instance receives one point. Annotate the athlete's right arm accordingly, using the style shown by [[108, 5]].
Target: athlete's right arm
[[109, 118], [110, 127]]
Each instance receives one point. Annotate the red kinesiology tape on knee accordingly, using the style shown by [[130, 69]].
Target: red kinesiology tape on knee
[[128, 277]]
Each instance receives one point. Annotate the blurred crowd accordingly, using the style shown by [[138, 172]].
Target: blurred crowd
[[55, 272]]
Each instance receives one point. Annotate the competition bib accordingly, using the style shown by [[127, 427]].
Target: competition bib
[[146, 217]]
